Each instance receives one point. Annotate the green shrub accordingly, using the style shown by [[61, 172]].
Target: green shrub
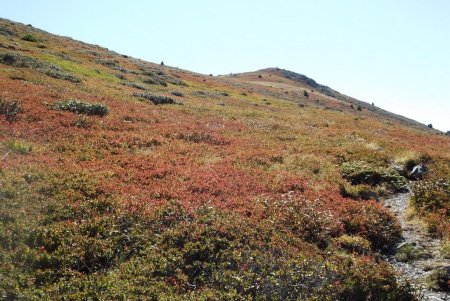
[[445, 249], [177, 93], [56, 72], [365, 280], [113, 64], [20, 61], [107, 62], [363, 173], [373, 222], [155, 81], [360, 191], [30, 38], [134, 85], [431, 195], [19, 146], [156, 99], [80, 107], [10, 109], [439, 279], [354, 243], [408, 252]]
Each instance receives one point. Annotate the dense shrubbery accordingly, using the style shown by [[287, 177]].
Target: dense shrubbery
[[134, 85], [81, 107], [431, 195], [155, 81], [86, 245], [354, 243], [30, 38], [177, 93], [113, 64], [373, 222], [431, 199], [361, 173], [156, 99], [49, 69], [157, 77]]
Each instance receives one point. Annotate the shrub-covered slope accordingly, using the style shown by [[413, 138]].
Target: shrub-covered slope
[[126, 180]]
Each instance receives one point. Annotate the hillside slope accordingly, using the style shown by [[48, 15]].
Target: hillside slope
[[127, 180], [292, 86]]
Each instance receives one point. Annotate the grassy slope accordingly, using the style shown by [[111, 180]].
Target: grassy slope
[[235, 193]]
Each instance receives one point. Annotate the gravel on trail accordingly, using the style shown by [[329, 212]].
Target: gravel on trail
[[416, 270]]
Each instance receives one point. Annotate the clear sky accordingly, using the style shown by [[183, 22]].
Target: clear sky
[[393, 53]]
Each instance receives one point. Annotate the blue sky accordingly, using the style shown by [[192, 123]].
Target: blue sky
[[393, 53]]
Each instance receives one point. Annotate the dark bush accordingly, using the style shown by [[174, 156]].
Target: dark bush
[[155, 81], [134, 85], [56, 72], [156, 99], [10, 108], [177, 93], [113, 64], [363, 173], [372, 222], [107, 62], [80, 107], [84, 244], [439, 279], [20, 61], [30, 38]]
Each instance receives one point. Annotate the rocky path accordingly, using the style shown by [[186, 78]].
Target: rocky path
[[417, 241]]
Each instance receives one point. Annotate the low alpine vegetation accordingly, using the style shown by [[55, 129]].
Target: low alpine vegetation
[[81, 107], [30, 38], [177, 93], [371, 180], [10, 109], [134, 85], [156, 99], [49, 69]]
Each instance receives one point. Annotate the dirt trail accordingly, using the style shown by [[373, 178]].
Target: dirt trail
[[415, 236]]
